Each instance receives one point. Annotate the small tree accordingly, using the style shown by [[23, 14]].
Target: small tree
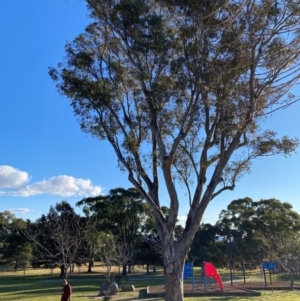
[[114, 254], [25, 257], [284, 249], [183, 87]]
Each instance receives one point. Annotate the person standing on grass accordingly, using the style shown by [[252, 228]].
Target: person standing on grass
[[66, 292]]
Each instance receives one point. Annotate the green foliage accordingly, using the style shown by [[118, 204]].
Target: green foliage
[[121, 212], [245, 224], [273, 215], [206, 247], [15, 250], [251, 231], [183, 86]]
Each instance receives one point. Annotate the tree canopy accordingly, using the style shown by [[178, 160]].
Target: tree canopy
[[182, 87], [122, 213], [252, 231], [14, 248]]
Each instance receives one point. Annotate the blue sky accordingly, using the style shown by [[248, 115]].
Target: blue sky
[[45, 158]]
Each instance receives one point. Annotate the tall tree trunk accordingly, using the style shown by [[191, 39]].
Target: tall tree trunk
[[174, 257], [63, 271], [90, 266], [292, 279], [174, 280], [175, 251], [124, 272], [147, 268]]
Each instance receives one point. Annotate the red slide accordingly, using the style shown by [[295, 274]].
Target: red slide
[[211, 271]]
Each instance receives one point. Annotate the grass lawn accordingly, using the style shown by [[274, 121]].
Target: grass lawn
[[265, 296], [43, 285]]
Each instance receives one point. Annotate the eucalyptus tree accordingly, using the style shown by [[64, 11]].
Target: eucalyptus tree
[[248, 216], [122, 212], [183, 86], [246, 224]]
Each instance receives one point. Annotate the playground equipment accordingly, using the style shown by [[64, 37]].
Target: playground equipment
[[208, 271]]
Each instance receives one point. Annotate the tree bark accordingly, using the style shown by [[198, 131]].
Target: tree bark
[[174, 257], [63, 272], [292, 279], [91, 263], [72, 267], [174, 280], [124, 272]]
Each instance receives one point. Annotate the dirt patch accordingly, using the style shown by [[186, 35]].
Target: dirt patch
[[278, 285], [237, 289], [211, 290]]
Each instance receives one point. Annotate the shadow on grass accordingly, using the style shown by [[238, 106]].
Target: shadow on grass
[[225, 298], [142, 293]]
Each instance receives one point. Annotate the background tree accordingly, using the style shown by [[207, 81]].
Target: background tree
[[206, 246], [114, 254], [122, 213], [15, 251], [245, 223], [149, 246], [283, 248], [57, 236], [183, 86], [148, 252], [93, 237]]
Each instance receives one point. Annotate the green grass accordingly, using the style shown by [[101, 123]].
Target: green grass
[[47, 287], [265, 296], [42, 285]]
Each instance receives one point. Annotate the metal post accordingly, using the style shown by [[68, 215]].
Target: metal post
[[193, 276], [264, 271], [203, 271], [230, 268], [243, 269], [271, 280]]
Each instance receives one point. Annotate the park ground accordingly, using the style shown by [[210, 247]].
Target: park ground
[[45, 285]]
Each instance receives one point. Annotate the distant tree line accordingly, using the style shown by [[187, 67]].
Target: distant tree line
[[248, 231], [118, 229]]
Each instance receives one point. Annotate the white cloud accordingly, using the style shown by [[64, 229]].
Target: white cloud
[[182, 219], [11, 177], [14, 183], [19, 210], [65, 186]]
